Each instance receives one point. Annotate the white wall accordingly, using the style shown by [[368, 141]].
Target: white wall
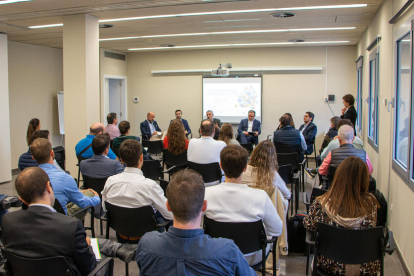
[[35, 76]]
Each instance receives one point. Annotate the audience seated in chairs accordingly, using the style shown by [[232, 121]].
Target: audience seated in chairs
[[84, 147], [99, 165], [149, 127], [248, 126], [226, 135], [330, 134], [348, 204], [198, 253], [41, 232], [124, 128], [309, 130], [131, 189], [288, 135], [176, 141], [111, 127], [233, 201], [65, 188], [33, 126]]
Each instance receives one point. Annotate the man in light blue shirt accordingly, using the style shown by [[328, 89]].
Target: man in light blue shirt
[[64, 185]]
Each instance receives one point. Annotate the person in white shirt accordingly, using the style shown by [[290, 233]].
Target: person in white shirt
[[131, 189], [233, 201]]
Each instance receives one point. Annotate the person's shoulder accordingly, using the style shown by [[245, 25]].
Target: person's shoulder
[[222, 246], [148, 242]]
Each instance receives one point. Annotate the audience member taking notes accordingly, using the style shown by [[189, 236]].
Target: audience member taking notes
[[178, 115], [185, 249], [149, 127], [249, 129]]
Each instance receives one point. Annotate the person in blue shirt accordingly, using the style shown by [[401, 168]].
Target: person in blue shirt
[[64, 185], [178, 115], [84, 147], [185, 249]]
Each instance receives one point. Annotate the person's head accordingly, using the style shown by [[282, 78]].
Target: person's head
[[96, 128], [130, 153], [100, 144], [285, 120], [251, 115], [185, 196], [207, 128], [112, 118], [150, 117], [348, 100], [34, 125], [345, 134], [264, 161], [291, 119], [348, 196], [41, 150], [233, 160], [210, 114], [334, 122], [308, 117], [178, 114], [176, 137], [39, 134], [33, 186], [124, 127], [344, 122], [226, 133]]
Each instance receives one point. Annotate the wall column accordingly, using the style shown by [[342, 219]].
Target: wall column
[[80, 81]]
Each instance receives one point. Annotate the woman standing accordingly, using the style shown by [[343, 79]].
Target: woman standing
[[349, 111], [34, 125]]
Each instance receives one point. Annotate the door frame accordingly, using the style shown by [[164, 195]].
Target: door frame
[[105, 97]]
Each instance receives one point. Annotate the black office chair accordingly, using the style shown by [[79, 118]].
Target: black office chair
[[172, 162], [96, 184], [248, 236], [164, 185], [60, 156], [50, 266], [152, 169], [116, 151], [131, 222], [210, 172], [292, 159], [314, 151], [328, 179], [248, 147], [282, 148], [286, 173], [154, 147]]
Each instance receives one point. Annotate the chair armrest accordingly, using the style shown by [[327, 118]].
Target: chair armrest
[[83, 209], [164, 223], [390, 244], [309, 237], [302, 164], [101, 265], [271, 240], [168, 171], [296, 175]]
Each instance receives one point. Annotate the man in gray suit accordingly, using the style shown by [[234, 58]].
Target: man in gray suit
[[99, 165], [216, 122]]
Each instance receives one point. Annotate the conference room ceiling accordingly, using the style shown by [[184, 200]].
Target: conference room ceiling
[[16, 18]]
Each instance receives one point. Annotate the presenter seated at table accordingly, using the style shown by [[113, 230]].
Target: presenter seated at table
[[149, 127], [249, 129], [178, 115], [216, 122]]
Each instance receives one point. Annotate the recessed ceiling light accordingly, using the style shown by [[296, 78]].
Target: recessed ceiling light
[[237, 45], [232, 32], [282, 14], [12, 1], [106, 26], [296, 40]]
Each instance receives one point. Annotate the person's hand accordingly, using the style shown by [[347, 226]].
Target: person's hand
[[88, 240], [186, 132], [343, 110], [246, 133], [94, 193], [216, 126], [257, 133], [336, 137], [155, 133]]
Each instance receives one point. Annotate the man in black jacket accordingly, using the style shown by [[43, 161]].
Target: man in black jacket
[[309, 131], [349, 112]]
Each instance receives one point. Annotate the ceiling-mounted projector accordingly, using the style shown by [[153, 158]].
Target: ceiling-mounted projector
[[220, 71]]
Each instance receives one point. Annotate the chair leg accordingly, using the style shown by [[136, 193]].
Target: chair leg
[[274, 258], [78, 175], [92, 224], [264, 260], [126, 269], [101, 227], [307, 258]]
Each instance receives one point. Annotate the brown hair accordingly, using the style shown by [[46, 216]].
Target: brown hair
[[348, 98], [207, 127], [349, 196], [285, 120], [123, 127], [226, 133], [264, 161], [233, 160], [176, 137], [100, 143], [40, 150], [31, 184], [39, 134], [33, 124], [335, 120], [344, 122], [129, 152], [185, 194]]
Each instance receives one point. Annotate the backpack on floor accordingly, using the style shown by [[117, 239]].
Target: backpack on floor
[[296, 233]]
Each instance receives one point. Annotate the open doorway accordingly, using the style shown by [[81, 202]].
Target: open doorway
[[114, 97]]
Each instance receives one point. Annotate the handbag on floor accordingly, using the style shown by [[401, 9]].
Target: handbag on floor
[[296, 233]]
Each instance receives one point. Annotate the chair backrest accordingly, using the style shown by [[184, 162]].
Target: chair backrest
[[248, 147], [50, 266], [248, 236], [96, 184], [331, 174], [288, 159], [282, 148], [151, 169], [350, 246], [285, 172], [58, 207], [116, 151], [174, 160], [164, 185], [315, 193], [131, 222], [210, 172], [60, 156], [154, 147]]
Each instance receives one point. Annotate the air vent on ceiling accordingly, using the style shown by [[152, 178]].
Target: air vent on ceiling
[[296, 40], [283, 14], [106, 26], [115, 56]]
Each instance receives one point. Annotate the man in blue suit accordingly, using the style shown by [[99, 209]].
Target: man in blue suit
[[178, 115], [309, 131], [247, 127], [149, 127]]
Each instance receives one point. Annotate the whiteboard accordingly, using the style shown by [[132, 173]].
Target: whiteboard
[[61, 112]]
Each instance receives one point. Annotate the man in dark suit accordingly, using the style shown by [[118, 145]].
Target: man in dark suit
[[40, 232], [216, 122], [248, 126], [309, 131], [349, 111], [149, 127], [99, 165], [178, 115]]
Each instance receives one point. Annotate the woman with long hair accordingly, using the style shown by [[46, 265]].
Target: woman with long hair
[[291, 121], [176, 142], [34, 125], [347, 204], [262, 170], [226, 135]]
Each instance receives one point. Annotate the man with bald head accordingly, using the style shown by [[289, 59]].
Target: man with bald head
[[149, 127], [84, 147]]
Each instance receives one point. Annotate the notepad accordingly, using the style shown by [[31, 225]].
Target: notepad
[[95, 248]]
